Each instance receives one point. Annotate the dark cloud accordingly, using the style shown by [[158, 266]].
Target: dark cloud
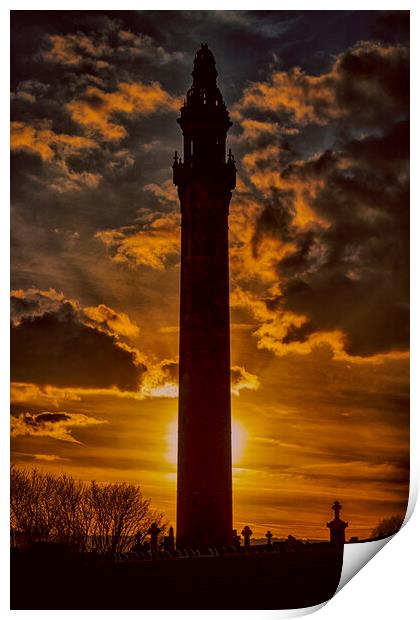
[[342, 212], [49, 417], [362, 88], [53, 342], [372, 82], [392, 26], [363, 271], [275, 219]]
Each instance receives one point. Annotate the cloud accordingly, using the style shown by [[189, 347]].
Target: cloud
[[331, 236], [365, 84], [48, 457], [359, 262], [164, 193], [55, 342], [110, 321], [29, 91], [73, 49], [96, 111], [33, 302], [99, 49], [48, 145], [58, 425], [162, 380], [152, 244], [56, 150], [241, 379]]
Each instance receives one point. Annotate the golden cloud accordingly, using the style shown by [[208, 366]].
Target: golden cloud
[[245, 264], [241, 379], [296, 92], [262, 167], [57, 425], [72, 49], [96, 109], [275, 326], [165, 192], [115, 322], [161, 379], [45, 143], [97, 49], [359, 84], [150, 246]]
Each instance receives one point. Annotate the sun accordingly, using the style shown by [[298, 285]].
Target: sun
[[239, 439]]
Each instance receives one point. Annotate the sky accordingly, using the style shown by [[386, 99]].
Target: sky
[[319, 254]]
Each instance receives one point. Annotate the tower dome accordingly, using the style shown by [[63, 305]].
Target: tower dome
[[204, 90], [204, 72]]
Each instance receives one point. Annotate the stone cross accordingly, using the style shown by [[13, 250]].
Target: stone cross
[[336, 507], [247, 533], [269, 536], [337, 527], [154, 532], [171, 538]]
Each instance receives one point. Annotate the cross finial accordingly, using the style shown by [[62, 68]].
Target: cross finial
[[336, 507]]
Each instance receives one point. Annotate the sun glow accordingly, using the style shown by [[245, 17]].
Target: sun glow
[[239, 438]]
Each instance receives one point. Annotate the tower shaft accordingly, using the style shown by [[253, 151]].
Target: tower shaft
[[205, 181]]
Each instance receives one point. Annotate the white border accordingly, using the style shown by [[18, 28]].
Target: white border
[[387, 586]]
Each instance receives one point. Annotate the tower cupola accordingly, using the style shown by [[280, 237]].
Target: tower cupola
[[204, 122]]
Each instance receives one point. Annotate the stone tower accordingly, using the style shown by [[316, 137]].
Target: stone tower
[[205, 181]]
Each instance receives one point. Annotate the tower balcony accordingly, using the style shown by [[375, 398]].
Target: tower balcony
[[219, 173]]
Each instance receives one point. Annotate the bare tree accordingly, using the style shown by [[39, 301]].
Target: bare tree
[[387, 527], [120, 513], [32, 497], [106, 518]]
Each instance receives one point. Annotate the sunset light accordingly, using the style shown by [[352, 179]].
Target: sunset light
[[239, 441]]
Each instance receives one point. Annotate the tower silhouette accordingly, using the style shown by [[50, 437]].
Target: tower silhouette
[[205, 181]]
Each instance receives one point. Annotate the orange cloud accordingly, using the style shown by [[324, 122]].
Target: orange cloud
[[72, 49], [165, 192], [245, 264], [98, 49], [115, 322], [44, 142], [161, 379], [150, 246], [241, 379], [263, 171], [54, 149], [358, 83], [57, 425], [96, 109], [294, 91], [275, 325]]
